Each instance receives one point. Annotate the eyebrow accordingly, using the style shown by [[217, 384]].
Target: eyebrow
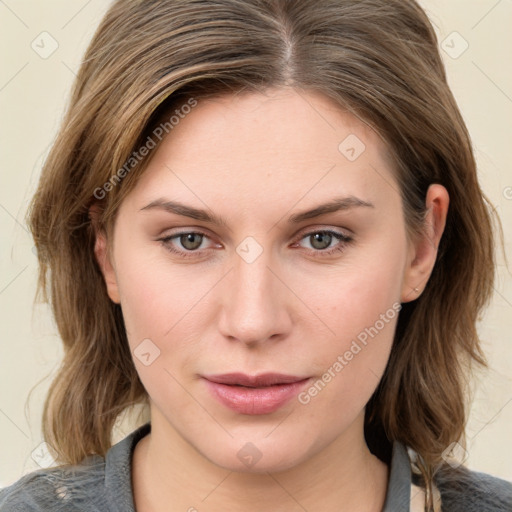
[[337, 204], [186, 211]]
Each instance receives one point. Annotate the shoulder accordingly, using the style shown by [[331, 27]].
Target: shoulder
[[64, 488], [97, 484], [471, 491]]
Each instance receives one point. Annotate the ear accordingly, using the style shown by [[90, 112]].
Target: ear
[[423, 250], [103, 256]]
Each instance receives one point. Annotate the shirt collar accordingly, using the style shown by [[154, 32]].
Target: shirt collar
[[398, 496]]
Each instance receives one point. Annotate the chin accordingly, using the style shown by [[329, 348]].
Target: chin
[[259, 456]]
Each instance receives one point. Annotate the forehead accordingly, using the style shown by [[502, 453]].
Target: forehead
[[251, 143], [279, 118]]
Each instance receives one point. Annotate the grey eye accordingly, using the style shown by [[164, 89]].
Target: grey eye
[[191, 241], [320, 240]]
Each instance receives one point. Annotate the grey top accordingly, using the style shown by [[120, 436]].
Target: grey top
[[104, 485]]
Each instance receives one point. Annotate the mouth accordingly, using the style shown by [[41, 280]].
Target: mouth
[[254, 394]]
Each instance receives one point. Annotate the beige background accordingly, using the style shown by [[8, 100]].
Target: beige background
[[33, 93]]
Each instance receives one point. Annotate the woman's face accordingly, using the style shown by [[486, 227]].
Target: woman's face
[[266, 236]]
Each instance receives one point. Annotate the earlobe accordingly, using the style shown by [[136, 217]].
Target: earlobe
[[102, 256], [423, 251]]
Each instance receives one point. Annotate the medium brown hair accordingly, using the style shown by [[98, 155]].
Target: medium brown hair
[[379, 59]]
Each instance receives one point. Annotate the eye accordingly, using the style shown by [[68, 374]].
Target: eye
[[191, 241], [325, 242], [190, 244], [185, 243]]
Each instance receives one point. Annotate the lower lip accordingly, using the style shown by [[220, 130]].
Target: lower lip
[[255, 400]]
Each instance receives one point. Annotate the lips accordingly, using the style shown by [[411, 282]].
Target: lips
[[258, 394], [256, 381]]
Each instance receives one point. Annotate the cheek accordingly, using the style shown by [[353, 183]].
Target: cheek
[[155, 294], [163, 308], [355, 295], [144, 297], [158, 310], [361, 308], [349, 366]]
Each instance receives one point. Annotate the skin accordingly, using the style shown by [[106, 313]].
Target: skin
[[255, 160]]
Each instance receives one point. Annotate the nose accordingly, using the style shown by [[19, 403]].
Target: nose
[[256, 304]]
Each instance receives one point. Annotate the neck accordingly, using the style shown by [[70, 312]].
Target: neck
[[169, 474]]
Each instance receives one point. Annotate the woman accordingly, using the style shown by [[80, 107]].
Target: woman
[[263, 219]]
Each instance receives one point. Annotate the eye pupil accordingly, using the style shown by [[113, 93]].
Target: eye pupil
[[323, 239], [191, 241]]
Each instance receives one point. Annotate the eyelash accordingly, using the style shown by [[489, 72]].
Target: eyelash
[[318, 253]]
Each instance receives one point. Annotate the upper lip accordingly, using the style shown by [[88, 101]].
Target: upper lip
[[254, 381]]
